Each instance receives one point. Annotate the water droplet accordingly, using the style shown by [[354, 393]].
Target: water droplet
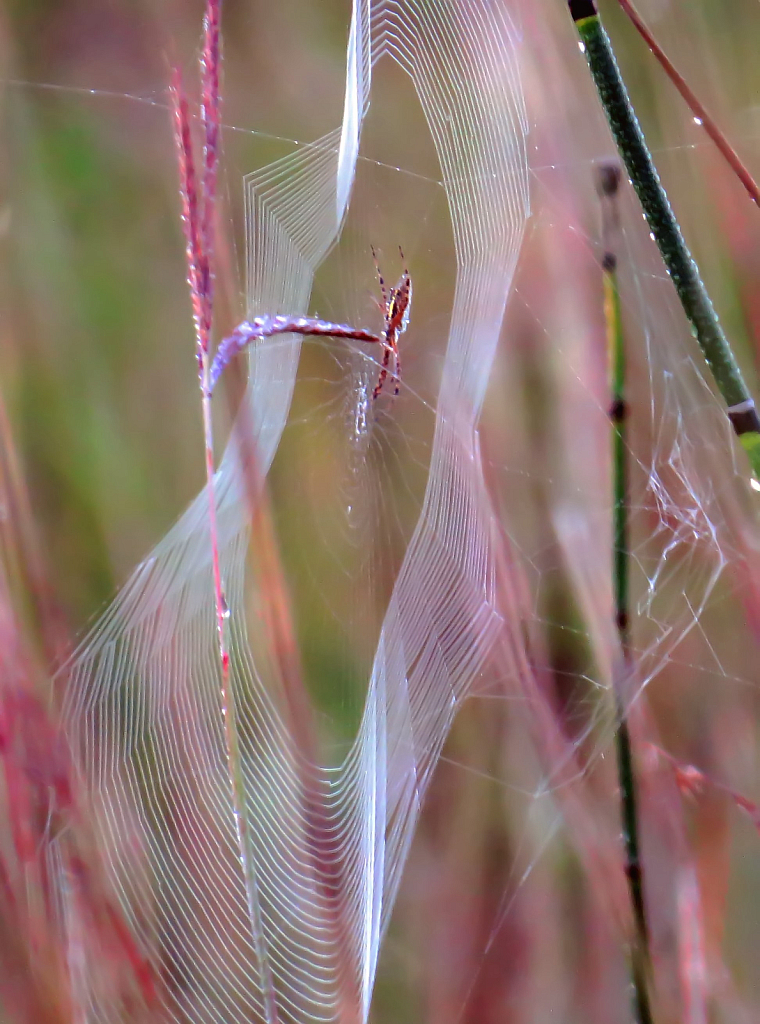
[[225, 608], [698, 120]]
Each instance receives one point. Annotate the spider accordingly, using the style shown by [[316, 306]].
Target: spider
[[395, 308]]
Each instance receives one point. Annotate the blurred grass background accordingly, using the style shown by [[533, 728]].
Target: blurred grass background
[[99, 380]]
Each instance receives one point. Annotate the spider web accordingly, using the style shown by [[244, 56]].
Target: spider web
[[143, 692], [414, 542]]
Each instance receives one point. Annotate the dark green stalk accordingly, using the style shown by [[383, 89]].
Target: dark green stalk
[[608, 183], [664, 226]]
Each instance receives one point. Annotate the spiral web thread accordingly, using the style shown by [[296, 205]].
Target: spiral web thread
[[142, 704]]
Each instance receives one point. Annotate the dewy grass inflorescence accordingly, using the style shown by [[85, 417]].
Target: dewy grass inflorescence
[[198, 217]]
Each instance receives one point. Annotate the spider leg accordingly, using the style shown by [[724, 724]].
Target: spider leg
[[379, 385], [384, 369], [387, 356], [397, 373], [403, 261], [380, 279]]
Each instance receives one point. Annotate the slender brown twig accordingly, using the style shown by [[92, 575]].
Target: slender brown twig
[[695, 106]]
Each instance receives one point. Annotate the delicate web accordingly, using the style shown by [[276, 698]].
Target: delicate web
[[143, 693], [438, 565]]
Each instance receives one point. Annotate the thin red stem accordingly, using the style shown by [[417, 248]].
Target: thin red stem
[[698, 110]]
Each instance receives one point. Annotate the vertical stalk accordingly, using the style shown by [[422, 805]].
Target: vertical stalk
[[608, 184], [680, 264], [198, 218]]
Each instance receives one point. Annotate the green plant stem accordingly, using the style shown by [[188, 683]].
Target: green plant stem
[[665, 228], [640, 960], [608, 183]]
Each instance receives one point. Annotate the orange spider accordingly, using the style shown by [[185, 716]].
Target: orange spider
[[395, 308]]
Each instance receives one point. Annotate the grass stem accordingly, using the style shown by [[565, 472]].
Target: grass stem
[[608, 184]]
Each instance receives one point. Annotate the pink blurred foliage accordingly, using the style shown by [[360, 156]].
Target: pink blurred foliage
[[56, 906]]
